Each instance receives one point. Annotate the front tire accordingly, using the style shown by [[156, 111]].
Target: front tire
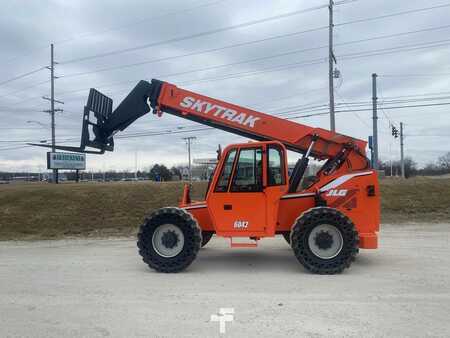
[[169, 240], [324, 240]]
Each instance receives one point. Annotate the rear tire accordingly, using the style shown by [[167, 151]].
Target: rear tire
[[324, 240], [169, 240], [206, 237]]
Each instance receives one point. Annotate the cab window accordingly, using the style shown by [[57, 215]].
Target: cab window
[[275, 169], [222, 183], [248, 173]]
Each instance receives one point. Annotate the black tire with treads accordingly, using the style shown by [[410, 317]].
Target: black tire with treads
[[192, 239], [303, 227]]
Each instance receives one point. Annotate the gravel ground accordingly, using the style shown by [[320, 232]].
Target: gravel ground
[[98, 288]]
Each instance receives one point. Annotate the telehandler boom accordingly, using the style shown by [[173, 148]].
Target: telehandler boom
[[250, 194]]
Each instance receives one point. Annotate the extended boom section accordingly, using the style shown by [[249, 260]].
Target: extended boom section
[[163, 97]]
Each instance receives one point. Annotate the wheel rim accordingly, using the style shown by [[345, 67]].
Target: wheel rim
[[168, 240], [325, 241]]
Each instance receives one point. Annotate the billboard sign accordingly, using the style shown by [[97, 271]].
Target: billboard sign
[[70, 161]]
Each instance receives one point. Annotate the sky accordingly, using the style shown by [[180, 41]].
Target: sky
[[279, 67]]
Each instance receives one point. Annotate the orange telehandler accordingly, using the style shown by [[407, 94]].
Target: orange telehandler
[[250, 193]]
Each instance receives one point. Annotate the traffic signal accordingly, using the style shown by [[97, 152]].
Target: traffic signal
[[394, 131]]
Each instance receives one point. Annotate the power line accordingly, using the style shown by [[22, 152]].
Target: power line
[[30, 52], [354, 114], [414, 75], [254, 42], [246, 24], [383, 51], [436, 135], [140, 21], [204, 51], [345, 56], [135, 22], [322, 107], [196, 35], [14, 148], [28, 146], [401, 107], [19, 111], [343, 2], [24, 89], [17, 77], [132, 135], [369, 53], [19, 141], [297, 51], [167, 132], [325, 112], [311, 62], [246, 73], [384, 101], [388, 36], [382, 110], [258, 72], [418, 95], [7, 128], [392, 15], [41, 140], [405, 12]]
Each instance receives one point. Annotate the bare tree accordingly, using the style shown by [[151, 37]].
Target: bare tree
[[444, 161]]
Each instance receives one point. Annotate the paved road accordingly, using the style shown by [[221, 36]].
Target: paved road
[[100, 288]]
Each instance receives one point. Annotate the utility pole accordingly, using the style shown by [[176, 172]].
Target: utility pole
[[331, 60], [402, 157], [52, 106], [188, 142], [375, 121]]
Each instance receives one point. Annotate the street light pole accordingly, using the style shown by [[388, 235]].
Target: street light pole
[[52, 105], [188, 141], [52, 108]]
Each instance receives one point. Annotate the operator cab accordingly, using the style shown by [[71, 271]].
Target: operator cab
[[249, 179]]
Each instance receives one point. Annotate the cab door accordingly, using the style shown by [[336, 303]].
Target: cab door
[[238, 202]]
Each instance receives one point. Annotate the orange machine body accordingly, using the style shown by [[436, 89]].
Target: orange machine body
[[273, 210], [351, 186]]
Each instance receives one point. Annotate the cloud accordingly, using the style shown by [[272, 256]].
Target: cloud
[[85, 28]]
